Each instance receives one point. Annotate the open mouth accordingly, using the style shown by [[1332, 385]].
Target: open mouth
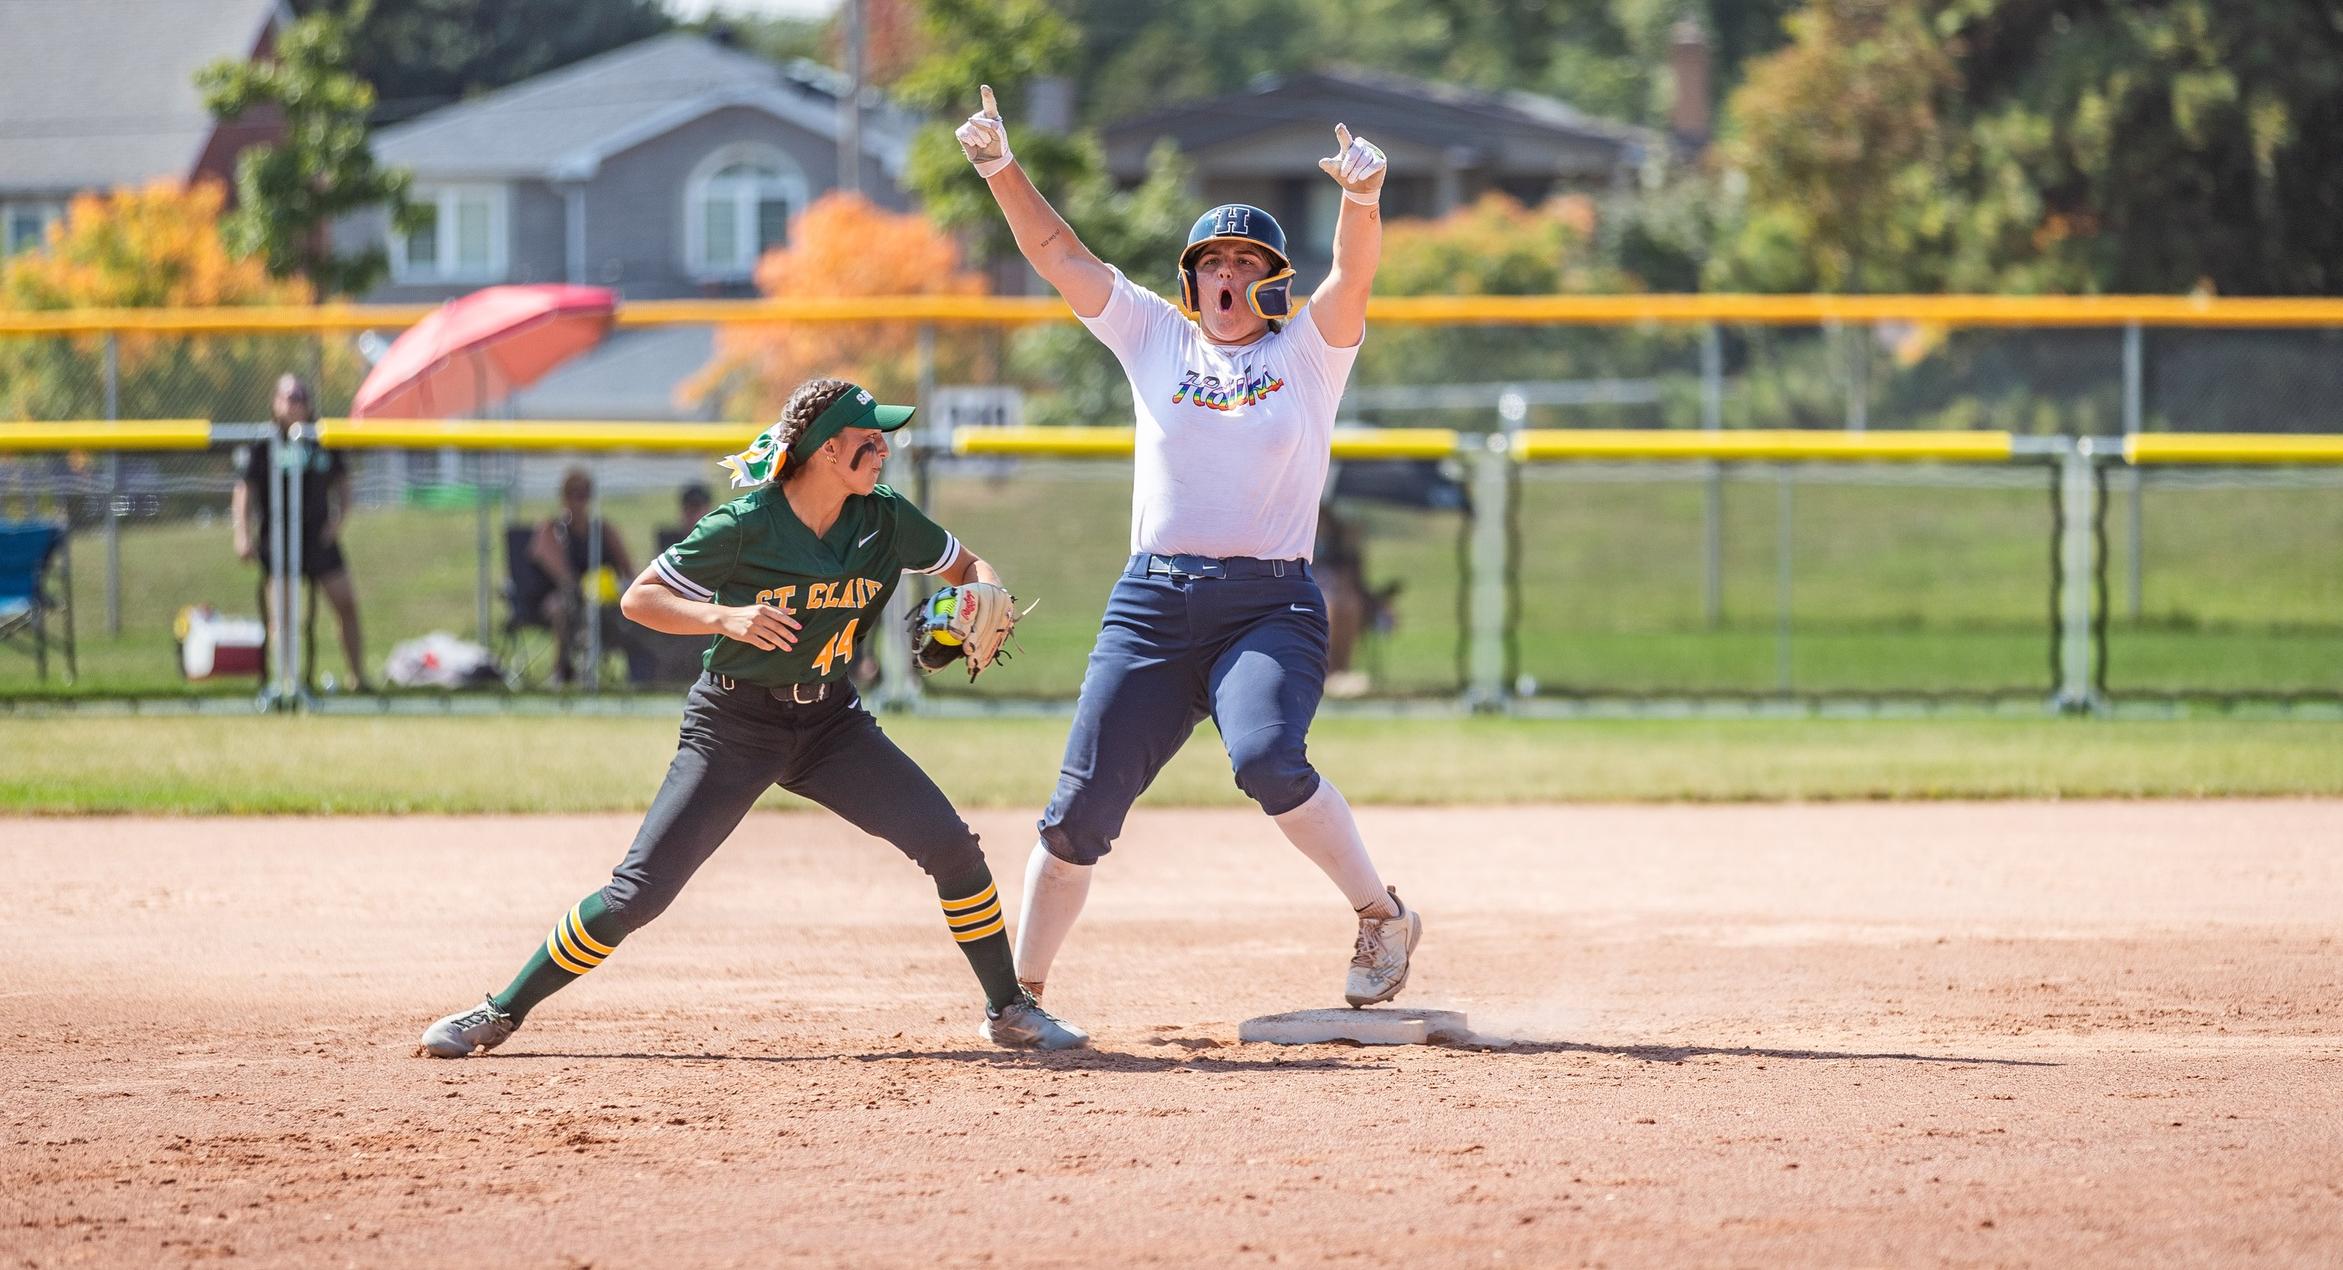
[[1228, 299]]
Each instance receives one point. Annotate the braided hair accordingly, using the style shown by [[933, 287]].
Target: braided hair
[[806, 405]]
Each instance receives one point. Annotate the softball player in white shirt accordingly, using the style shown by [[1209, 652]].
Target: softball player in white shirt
[[1216, 614]]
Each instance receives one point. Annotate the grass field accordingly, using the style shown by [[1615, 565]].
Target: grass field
[[1894, 588], [332, 764]]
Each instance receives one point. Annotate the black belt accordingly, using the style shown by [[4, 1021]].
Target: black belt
[[790, 694], [1149, 563]]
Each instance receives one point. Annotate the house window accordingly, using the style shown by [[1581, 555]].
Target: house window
[[24, 226], [460, 237], [737, 206]]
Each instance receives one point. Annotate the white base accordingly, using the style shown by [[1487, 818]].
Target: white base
[[1384, 1025]]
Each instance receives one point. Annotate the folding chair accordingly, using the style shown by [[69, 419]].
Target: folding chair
[[28, 594], [525, 640]]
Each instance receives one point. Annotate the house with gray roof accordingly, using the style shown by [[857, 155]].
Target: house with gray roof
[[663, 169], [100, 94], [1448, 145]]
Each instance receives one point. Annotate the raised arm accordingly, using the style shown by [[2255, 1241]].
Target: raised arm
[[1044, 236], [1340, 306]]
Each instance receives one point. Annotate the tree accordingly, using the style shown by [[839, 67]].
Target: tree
[[2158, 146], [157, 246], [1841, 136], [1740, 31], [1604, 56], [290, 192], [844, 245], [1492, 246], [1008, 46], [422, 54], [1497, 246], [2044, 145]]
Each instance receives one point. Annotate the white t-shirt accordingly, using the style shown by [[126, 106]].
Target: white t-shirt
[[1232, 439]]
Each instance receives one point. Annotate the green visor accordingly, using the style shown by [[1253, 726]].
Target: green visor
[[762, 460], [855, 409]]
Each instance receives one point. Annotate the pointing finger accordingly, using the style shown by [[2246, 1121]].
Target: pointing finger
[[1341, 137], [991, 109]]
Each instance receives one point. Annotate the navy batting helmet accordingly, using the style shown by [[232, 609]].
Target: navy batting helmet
[[1271, 297]]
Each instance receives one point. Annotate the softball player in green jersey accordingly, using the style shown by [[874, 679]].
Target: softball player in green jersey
[[790, 580]]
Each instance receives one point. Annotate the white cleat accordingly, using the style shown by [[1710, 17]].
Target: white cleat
[[1378, 963], [1024, 1025], [468, 1032]]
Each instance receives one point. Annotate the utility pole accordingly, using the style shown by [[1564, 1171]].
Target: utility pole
[[850, 105]]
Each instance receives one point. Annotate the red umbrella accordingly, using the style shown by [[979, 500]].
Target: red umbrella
[[473, 352]]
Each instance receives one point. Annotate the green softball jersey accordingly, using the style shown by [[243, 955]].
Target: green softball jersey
[[754, 550]]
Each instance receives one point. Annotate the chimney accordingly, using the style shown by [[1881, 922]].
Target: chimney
[[1688, 107]]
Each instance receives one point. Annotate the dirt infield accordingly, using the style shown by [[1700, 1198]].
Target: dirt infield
[[1957, 1034]]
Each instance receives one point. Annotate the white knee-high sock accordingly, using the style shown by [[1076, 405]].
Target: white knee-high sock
[[1323, 828], [1054, 891]]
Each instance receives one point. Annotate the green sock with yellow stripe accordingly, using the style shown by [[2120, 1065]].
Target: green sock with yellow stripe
[[582, 938], [982, 931]]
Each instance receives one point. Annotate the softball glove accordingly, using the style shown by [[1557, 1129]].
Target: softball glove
[[973, 620]]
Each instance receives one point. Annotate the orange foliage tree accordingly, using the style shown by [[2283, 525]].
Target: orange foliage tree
[[844, 245], [156, 246], [1494, 246]]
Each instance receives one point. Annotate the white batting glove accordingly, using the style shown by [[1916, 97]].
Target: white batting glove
[[1358, 166], [984, 139]]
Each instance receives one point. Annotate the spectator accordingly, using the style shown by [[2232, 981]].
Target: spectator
[[694, 503], [691, 503], [1353, 608], [325, 508], [562, 548], [676, 658]]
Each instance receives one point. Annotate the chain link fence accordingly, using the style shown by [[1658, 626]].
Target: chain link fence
[[147, 537], [1784, 580], [2224, 583], [1637, 579]]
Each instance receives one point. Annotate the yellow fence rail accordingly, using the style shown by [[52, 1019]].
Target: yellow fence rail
[[105, 434], [1072, 443], [2230, 447], [497, 434], [1764, 310], [1539, 444], [1532, 445]]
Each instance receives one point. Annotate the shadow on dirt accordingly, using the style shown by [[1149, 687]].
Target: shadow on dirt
[[1499, 1047], [1084, 1060]]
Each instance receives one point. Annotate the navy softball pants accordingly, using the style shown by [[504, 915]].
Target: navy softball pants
[[1247, 650], [738, 741]]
